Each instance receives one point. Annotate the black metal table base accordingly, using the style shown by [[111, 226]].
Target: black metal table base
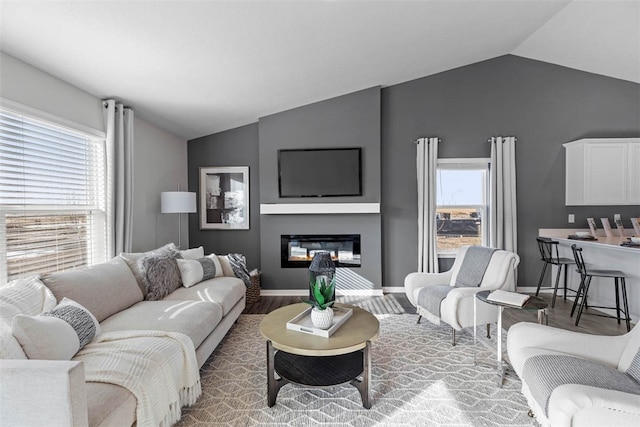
[[318, 371]]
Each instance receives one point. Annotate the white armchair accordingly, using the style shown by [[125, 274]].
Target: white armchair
[[578, 404], [456, 309]]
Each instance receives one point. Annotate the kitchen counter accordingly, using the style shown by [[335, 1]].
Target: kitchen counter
[[603, 253]]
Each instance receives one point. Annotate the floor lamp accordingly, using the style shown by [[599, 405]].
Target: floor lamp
[[178, 202]]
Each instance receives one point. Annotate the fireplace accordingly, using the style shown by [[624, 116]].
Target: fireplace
[[297, 250]]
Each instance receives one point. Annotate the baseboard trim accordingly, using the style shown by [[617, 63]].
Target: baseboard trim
[[303, 292], [393, 289]]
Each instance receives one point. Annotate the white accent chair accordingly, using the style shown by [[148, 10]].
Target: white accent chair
[[456, 309], [572, 404]]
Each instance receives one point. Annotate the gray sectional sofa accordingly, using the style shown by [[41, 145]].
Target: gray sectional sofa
[[54, 392]]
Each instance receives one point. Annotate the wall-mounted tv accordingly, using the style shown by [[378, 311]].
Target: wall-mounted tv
[[321, 172]]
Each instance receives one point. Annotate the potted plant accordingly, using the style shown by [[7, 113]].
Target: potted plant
[[323, 299]]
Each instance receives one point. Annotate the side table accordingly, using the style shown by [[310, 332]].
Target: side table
[[532, 304]]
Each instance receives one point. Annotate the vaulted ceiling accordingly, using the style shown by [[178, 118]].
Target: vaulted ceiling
[[198, 67]]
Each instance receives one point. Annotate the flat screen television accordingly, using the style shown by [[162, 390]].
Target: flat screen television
[[321, 172]]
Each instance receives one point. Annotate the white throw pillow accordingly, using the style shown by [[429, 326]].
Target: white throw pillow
[[194, 271], [25, 296], [57, 334], [9, 347], [194, 253]]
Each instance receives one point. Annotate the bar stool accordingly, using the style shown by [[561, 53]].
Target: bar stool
[[585, 281], [549, 254]]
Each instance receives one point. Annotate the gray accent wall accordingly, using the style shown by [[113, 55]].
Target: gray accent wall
[[543, 105], [351, 120], [236, 147]]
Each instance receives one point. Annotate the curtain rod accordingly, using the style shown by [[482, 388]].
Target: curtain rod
[[415, 141], [514, 139]]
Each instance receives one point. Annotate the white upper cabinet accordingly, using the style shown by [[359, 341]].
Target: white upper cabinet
[[603, 171]]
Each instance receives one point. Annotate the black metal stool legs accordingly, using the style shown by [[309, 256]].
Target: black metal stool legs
[[544, 270], [626, 304]]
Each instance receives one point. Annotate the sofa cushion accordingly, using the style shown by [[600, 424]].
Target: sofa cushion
[[110, 405], [103, 289], [226, 291], [161, 275], [24, 296], [132, 259], [57, 334], [193, 318]]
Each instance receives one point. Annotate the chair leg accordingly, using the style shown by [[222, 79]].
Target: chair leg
[[555, 288], [453, 337], [616, 284], [584, 298], [419, 318], [578, 294], [626, 304], [488, 330], [544, 270], [566, 269]]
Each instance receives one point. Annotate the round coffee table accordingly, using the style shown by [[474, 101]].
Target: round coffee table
[[311, 360]]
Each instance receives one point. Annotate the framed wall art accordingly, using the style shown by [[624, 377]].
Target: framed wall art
[[224, 198]]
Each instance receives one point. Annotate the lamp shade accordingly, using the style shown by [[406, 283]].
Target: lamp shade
[[177, 202]]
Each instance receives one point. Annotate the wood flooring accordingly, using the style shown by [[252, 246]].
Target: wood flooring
[[558, 316]]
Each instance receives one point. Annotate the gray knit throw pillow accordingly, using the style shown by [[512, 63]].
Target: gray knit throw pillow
[[161, 275], [634, 368]]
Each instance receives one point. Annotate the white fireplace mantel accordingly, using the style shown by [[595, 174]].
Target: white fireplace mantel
[[318, 208]]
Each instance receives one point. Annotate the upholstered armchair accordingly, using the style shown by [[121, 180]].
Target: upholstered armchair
[[577, 379], [456, 309]]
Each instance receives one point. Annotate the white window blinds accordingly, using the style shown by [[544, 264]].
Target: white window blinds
[[52, 197]]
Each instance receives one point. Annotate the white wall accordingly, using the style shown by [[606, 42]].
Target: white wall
[[160, 158]]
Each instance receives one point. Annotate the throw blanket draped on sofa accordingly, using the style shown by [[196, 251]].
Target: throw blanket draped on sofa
[[158, 368], [471, 273]]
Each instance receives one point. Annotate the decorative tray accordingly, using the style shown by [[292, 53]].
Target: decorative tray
[[302, 322], [574, 237]]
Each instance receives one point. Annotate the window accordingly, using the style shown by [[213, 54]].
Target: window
[[52, 197], [462, 204]]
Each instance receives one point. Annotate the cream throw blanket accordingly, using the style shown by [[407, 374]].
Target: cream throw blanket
[[159, 368]]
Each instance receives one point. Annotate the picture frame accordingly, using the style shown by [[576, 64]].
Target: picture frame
[[224, 198]]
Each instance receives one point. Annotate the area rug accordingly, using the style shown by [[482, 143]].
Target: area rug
[[419, 379]]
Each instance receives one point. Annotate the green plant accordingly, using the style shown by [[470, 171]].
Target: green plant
[[322, 293]]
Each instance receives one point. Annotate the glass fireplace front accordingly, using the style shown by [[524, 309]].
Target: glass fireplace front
[[297, 250]]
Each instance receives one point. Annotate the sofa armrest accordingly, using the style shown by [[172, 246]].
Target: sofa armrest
[[415, 281], [42, 393], [579, 405]]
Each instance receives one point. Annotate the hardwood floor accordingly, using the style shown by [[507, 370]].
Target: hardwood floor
[[558, 316]]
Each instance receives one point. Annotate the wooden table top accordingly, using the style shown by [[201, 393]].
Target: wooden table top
[[353, 335]]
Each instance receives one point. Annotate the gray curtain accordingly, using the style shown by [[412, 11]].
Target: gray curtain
[[119, 130], [427, 165]]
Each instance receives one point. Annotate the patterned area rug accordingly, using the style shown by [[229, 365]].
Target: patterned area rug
[[419, 379]]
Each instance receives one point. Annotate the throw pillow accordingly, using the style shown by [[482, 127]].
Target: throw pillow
[[57, 334], [195, 271], [25, 296], [239, 267], [161, 276], [634, 368], [133, 261], [194, 253]]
